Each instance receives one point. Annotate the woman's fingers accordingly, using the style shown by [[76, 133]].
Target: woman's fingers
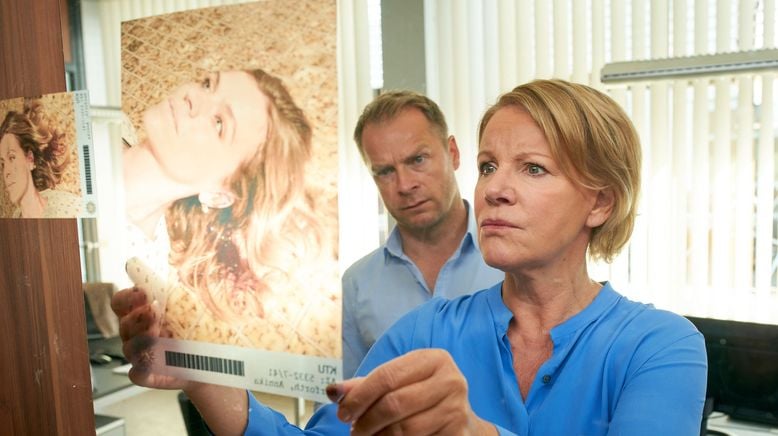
[[124, 301], [142, 376], [402, 388], [337, 391], [419, 408], [426, 422], [398, 372], [139, 321], [139, 328]]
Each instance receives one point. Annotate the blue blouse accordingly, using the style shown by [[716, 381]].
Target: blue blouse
[[618, 367], [384, 285]]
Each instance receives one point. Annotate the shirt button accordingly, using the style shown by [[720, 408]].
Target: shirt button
[[546, 378]]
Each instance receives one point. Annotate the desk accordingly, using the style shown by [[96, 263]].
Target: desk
[[721, 422], [109, 426]]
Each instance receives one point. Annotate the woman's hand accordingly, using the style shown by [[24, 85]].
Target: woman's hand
[[223, 408], [420, 393], [139, 328]]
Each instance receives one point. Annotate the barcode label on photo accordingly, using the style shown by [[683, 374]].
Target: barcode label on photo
[[205, 363], [87, 170]]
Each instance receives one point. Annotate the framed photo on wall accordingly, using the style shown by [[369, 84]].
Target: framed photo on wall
[[46, 158]]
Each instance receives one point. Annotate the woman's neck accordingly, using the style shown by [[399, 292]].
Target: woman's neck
[[32, 204], [148, 190], [543, 300]]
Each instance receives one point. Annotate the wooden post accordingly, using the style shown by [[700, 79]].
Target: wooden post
[[44, 367]]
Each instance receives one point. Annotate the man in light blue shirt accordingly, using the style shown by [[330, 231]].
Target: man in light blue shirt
[[433, 250]]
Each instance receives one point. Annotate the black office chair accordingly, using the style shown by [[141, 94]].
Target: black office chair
[[195, 425]]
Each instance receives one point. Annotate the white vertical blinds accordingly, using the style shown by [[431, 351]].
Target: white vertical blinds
[[765, 205], [705, 241], [357, 196], [542, 37]]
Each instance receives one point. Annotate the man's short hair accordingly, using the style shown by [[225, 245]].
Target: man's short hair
[[389, 104]]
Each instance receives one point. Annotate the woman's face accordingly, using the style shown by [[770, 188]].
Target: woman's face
[[530, 215], [204, 131], [16, 167]]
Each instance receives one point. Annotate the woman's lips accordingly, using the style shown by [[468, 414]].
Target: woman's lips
[[496, 223]]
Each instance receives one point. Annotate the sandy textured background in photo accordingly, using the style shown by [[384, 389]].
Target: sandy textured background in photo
[[60, 113], [295, 41]]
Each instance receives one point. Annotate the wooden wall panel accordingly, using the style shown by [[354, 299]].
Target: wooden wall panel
[[31, 60], [44, 366]]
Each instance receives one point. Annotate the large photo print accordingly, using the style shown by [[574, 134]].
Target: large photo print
[[230, 184]]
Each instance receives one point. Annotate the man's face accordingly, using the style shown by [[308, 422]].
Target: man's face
[[413, 169]]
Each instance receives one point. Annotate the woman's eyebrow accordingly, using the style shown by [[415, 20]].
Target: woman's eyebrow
[[531, 154], [229, 115]]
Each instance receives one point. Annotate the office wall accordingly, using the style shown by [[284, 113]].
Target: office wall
[[44, 368]]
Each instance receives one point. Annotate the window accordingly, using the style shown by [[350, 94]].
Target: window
[[705, 241]]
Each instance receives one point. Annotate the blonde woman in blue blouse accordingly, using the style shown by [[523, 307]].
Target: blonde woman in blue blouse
[[549, 351]]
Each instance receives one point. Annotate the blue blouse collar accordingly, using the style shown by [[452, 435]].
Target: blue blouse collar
[[605, 299]]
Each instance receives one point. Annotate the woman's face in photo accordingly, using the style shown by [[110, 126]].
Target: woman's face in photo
[[204, 131], [15, 167]]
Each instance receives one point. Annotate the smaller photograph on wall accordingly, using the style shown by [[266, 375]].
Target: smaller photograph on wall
[[46, 157]]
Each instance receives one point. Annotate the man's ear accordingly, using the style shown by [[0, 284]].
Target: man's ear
[[453, 150], [602, 209]]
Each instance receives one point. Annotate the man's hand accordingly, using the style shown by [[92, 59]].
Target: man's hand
[[420, 393]]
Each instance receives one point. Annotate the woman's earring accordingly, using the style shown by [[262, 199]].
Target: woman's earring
[[216, 200]]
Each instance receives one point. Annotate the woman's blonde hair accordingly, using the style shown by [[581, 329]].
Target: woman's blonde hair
[[45, 144], [232, 256], [595, 144]]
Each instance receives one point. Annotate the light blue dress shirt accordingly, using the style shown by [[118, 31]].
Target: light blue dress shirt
[[385, 285], [618, 368]]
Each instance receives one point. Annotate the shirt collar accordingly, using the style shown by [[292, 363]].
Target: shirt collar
[[472, 226], [604, 300], [502, 315], [394, 245]]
